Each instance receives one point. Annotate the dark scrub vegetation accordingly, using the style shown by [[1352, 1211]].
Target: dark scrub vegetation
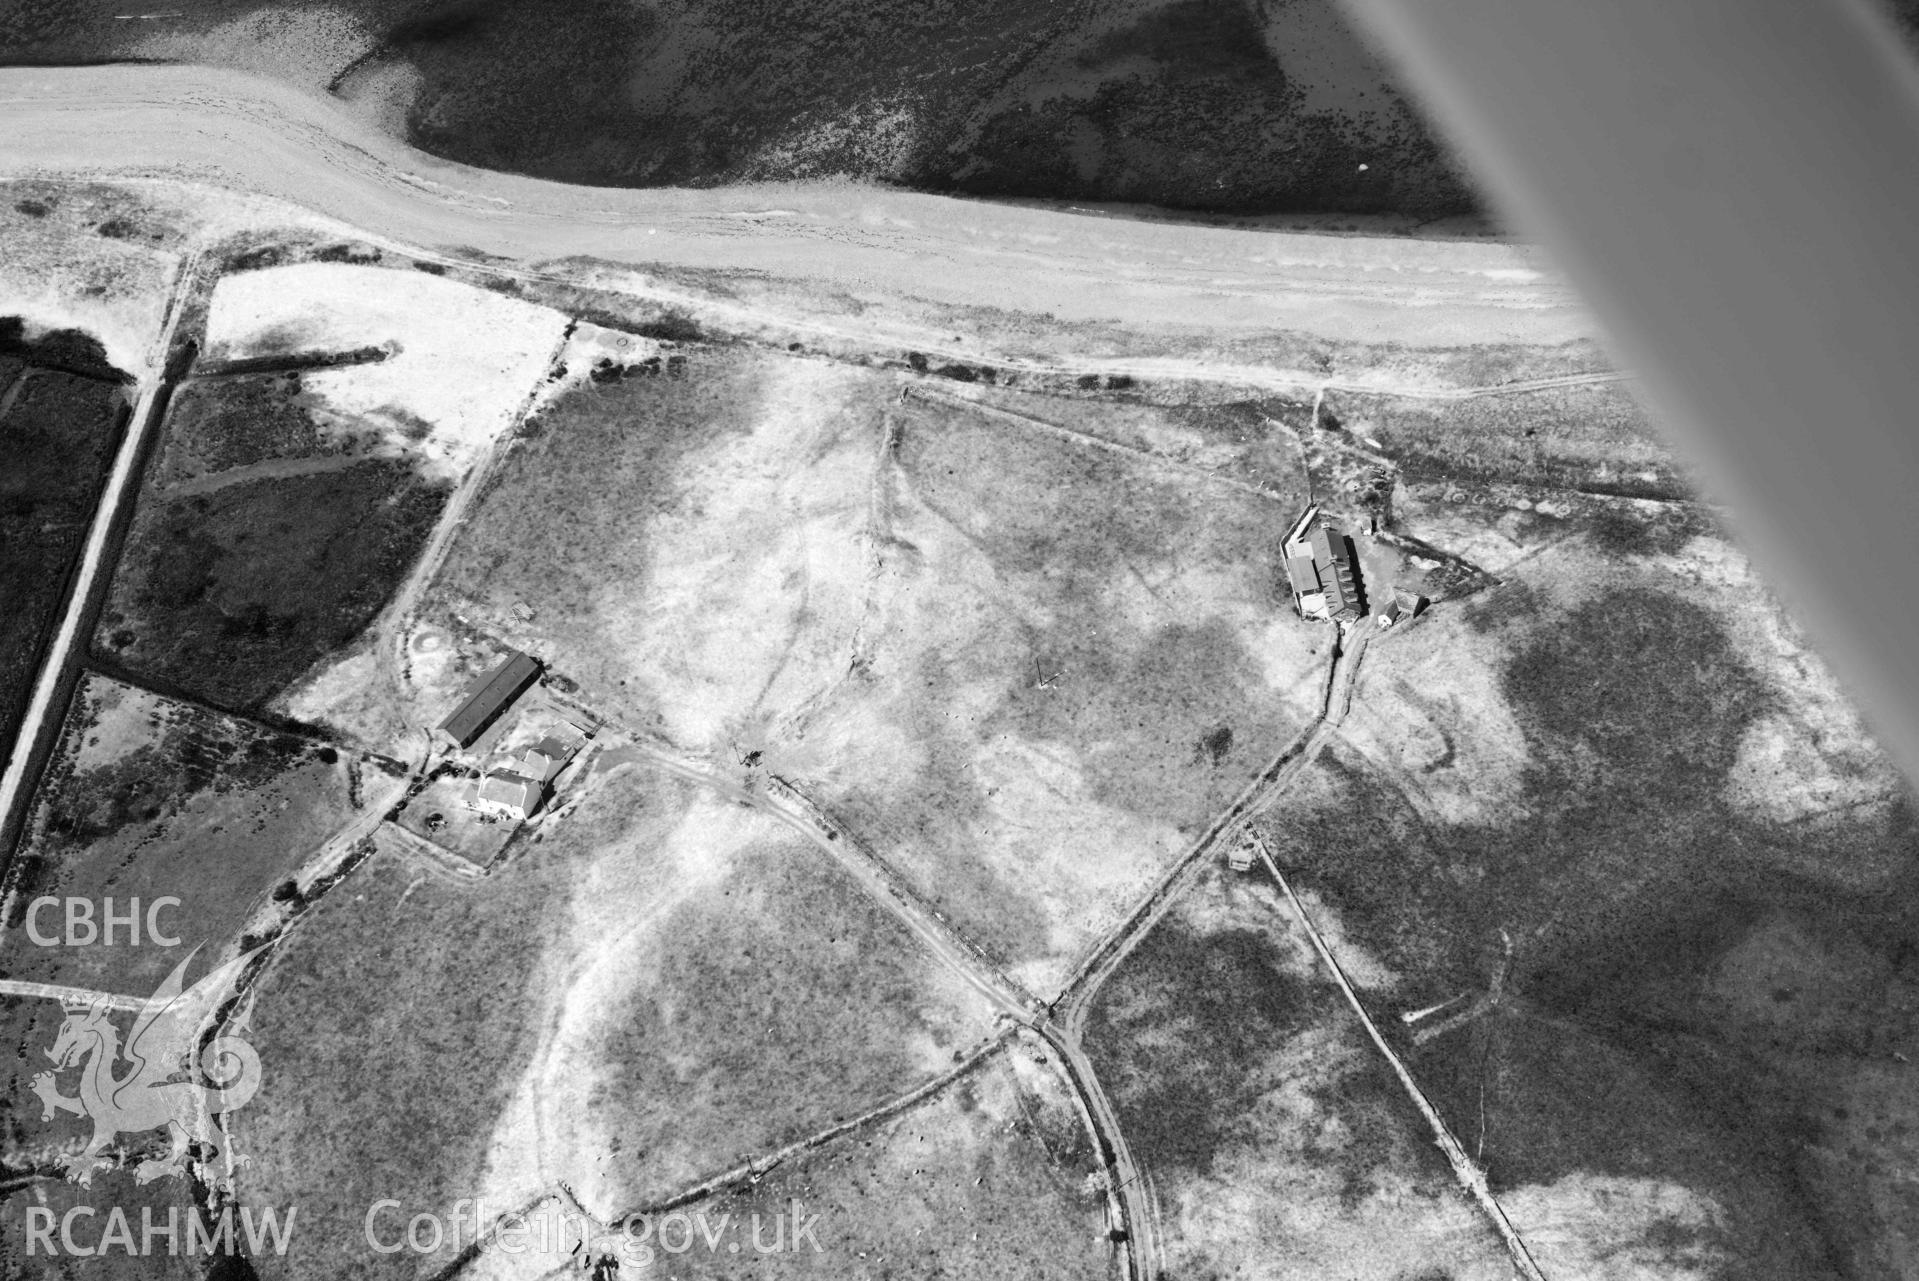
[[57, 434], [233, 594], [1176, 103], [1637, 901]]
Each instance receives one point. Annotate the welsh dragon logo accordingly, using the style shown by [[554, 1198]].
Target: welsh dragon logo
[[148, 1093]]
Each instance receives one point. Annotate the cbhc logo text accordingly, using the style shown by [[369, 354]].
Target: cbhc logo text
[[109, 927]]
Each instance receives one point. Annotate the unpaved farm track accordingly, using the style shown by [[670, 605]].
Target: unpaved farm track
[[841, 242]]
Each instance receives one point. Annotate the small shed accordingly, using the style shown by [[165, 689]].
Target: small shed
[[1401, 606], [543, 760]]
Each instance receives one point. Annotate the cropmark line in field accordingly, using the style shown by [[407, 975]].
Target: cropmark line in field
[[470, 1254], [266, 722], [1132, 452], [761, 1165], [1479, 393], [1470, 1176]]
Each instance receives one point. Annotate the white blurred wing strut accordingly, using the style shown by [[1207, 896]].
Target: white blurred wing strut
[[1733, 185]]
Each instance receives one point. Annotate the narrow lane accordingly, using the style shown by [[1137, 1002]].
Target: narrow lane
[[1125, 1185], [1107, 955], [123, 483], [1467, 1171]]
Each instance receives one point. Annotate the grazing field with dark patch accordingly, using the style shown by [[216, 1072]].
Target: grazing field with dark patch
[[1685, 990], [1589, 438], [1175, 1034], [566, 523], [807, 964], [1644, 680], [1267, 1122], [1633, 704], [146, 798], [686, 550], [57, 436], [29, 1261], [660, 988], [234, 593], [1074, 659], [982, 1180], [414, 1001], [241, 421], [405, 1010]]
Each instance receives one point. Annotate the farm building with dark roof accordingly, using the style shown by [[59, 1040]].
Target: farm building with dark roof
[[488, 697], [1319, 568]]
